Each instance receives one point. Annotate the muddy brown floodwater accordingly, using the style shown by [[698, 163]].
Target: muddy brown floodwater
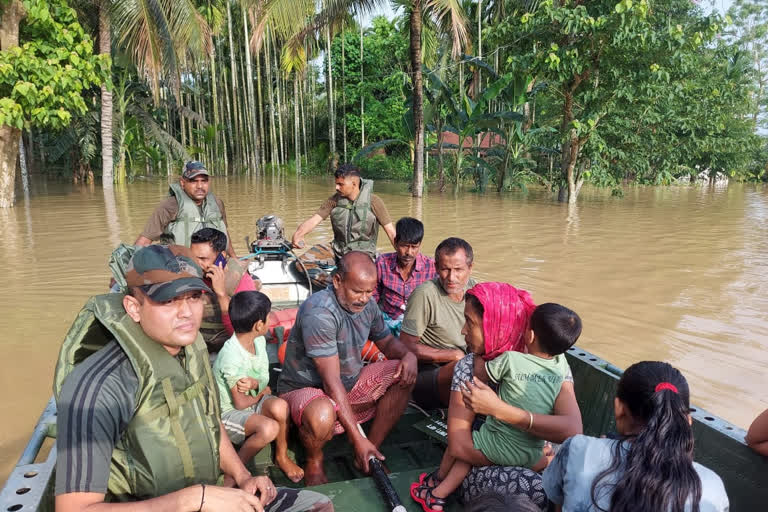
[[676, 274]]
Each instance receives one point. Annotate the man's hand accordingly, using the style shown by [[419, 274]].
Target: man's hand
[[263, 485], [364, 449], [407, 370], [216, 274], [479, 398], [231, 500], [297, 241]]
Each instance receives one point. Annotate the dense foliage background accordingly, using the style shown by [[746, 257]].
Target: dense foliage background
[[510, 93]]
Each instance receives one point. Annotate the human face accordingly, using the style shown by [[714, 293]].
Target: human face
[[196, 188], [173, 324], [354, 290], [204, 254], [348, 187], [473, 330], [406, 253], [453, 270]]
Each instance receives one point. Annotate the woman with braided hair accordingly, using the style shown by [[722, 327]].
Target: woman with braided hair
[[650, 466]]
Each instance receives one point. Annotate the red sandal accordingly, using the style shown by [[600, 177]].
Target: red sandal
[[429, 500]]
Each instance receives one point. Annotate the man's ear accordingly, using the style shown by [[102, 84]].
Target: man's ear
[[530, 337], [132, 307], [336, 280]]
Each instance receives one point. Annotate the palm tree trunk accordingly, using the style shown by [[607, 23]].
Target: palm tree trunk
[[215, 101], [271, 96], [260, 102], [252, 126], [362, 89], [418, 100], [296, 119], [302, 94], [106, 97], [12, 14], [329, 87], [343, 95], [280, 110], [233, 71]]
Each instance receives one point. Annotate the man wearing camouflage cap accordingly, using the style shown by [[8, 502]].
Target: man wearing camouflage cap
[[138, 411], [190, 206]]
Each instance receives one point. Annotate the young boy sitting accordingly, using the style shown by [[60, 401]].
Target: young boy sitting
[[530, 381], [250, 413]]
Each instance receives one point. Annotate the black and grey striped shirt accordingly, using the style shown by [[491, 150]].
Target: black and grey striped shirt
[[96, 403]]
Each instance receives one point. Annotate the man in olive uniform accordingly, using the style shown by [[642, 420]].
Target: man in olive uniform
[[190, 206], [356, 214], [138, 409]]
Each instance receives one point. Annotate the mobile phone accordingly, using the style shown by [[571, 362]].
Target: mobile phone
[[221, 261]]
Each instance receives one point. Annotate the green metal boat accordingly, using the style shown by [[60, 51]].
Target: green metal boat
[[416, 444]]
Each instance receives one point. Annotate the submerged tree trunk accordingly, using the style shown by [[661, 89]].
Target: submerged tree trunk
[[13, 13], [296, 120], [105, 48], [418, 100]]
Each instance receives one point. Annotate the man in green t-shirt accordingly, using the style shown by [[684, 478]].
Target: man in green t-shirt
[[433, 321]]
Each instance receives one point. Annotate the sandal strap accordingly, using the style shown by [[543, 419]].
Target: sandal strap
[[430, 500]]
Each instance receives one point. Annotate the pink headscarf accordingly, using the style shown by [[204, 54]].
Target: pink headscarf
[[506, 318]]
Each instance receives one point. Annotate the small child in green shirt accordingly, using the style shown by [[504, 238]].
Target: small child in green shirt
[[251, 415], [528, 380]]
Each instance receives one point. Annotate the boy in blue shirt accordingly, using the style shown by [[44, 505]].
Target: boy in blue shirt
[[250, 413]]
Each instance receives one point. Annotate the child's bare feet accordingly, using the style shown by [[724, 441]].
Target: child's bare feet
[[290, 468]]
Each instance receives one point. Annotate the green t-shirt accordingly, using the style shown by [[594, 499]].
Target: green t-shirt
[[234, 362], [531, 383], [434, 317]]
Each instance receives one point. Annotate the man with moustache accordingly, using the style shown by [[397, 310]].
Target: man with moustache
[[433, 321], [324, 381], [138, 412], [400, 272]]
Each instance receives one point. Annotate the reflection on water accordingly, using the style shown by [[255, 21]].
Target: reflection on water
[[665, 273]]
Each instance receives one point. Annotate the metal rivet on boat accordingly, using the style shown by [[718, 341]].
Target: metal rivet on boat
[[592, 359], [709, 418], [30, 474], [13, 508], [23, 490], [582, 354]]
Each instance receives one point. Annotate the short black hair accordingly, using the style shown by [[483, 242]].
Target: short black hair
[[409, 231], [247, 308], [451, 245], [556, 327], [346, 171], [216, 238]]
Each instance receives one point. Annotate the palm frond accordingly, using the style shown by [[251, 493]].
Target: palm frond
[[450, 16]]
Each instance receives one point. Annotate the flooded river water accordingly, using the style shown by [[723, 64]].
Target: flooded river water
[[677, 274]]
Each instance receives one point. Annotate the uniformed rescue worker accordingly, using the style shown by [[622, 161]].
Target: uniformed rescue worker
[[190, 206], [356, 214], [138, 408]]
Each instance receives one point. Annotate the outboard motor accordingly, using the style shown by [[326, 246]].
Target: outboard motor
[[270, 238]]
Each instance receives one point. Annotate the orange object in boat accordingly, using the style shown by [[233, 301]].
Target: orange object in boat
[[370, 352]]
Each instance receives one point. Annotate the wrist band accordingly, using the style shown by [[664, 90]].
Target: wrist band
[[202, 498], [530, 422]]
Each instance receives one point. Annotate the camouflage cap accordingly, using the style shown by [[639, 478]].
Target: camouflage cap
[[193, 169], [164, 272]]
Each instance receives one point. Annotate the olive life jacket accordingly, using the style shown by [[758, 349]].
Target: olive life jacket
[[172, 441], [355, 227], [191, 217], [212, 328]]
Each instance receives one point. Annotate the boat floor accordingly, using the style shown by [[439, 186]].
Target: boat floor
[[409, 451]]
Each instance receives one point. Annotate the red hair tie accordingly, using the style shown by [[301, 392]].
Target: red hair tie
[[661, 386]]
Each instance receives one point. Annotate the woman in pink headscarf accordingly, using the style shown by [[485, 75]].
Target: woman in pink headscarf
[[497, 319]]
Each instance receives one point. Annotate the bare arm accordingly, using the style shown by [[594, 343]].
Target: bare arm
[[230, 247], [244, 400], [427, 354], [757, 435], [394, 349], [142, 241], [304, 228], [460, 444], [564, 423], [330, 371], [389, 229]]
